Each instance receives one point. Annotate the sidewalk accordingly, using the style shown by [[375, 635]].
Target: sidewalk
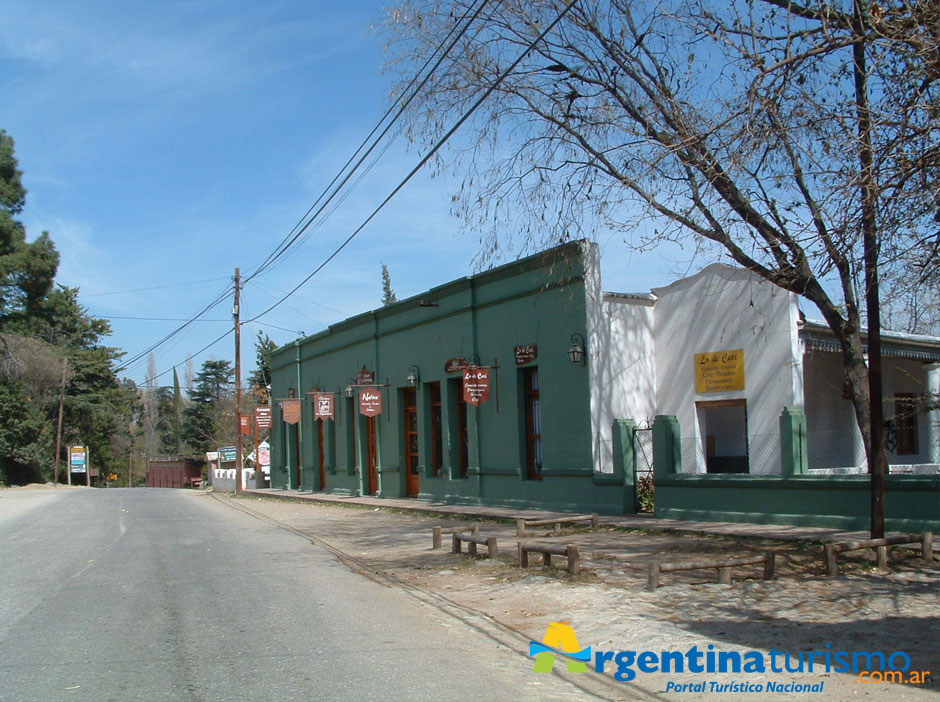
[[633, 521]]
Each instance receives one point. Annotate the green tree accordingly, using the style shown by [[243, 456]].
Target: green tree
[[388, 295], [41, 324], [210, 405], [260, 378]]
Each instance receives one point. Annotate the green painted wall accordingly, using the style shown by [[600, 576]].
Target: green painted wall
[[912, 502], [539, 300]]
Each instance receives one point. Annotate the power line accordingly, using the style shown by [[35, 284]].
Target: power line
[[156, 287], [164, 319], [437, 146], [193, 355], [301, 227]]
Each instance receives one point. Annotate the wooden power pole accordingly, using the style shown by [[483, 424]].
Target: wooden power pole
[[238, 388]]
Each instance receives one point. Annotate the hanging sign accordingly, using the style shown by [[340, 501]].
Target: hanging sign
[[526, 353], [365, 377], [370, 402], [719, 371], [263, 416], [290, 410], [245, 424], [228, 454], [323, 406], [476, 385], [455, 364]]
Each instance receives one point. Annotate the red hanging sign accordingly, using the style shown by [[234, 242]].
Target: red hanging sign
[[476, 385], [245, 424], [455, 364], [365, 377], [263, 417], [370, 402], [290, 410], [525, 354], [323, 406]]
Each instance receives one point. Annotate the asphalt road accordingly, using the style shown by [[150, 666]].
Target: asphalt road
[[151, 594]]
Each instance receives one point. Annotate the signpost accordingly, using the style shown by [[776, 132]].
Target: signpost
[[263, 417]]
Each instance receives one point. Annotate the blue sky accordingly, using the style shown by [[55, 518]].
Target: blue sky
[[164, 144]]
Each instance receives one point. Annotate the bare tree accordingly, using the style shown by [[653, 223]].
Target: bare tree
[[799, 140]]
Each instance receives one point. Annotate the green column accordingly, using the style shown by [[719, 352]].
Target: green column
[[792, 441], [667, 448], [625, 461]]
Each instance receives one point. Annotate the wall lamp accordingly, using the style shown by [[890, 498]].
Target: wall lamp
[[349, 389], [576, 352], [413, 377]]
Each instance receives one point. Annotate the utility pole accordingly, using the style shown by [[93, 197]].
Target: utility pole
[[58, 436], [238, 388]]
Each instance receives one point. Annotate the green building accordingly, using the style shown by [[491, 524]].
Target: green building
[[524, 438]]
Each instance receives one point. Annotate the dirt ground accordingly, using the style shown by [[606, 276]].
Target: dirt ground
[[610, 608]]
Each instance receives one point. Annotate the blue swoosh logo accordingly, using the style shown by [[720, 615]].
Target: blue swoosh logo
[[583, 655]]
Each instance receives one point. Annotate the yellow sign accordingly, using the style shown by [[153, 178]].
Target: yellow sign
[[719, 371]]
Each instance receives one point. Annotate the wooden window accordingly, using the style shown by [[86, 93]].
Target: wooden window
[[437, 435], [905, 423], [533, 423]]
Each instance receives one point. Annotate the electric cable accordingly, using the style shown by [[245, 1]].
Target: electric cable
[[437, 146], [301, 227]]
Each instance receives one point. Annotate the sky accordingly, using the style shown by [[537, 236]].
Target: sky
[[165, 144]]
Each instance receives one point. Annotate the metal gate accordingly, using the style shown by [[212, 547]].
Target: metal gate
[[643, 456]]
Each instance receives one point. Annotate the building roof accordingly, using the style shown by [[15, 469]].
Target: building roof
[[817, 336]]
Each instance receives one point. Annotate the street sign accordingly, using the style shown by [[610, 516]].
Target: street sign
[[227, 454], [245, 425]]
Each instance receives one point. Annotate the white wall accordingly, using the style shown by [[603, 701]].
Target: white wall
[[621, 363], [723, 308]]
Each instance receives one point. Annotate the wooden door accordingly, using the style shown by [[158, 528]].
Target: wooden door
[[410, 424], [320, 454], [373, 476]]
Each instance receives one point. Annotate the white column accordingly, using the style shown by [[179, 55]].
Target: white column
[[933, 416]]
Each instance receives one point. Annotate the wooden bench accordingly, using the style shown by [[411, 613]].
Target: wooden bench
[[833, 548], [722, 565], [522, 524], [437, 531], [548, 550], [472, 541]]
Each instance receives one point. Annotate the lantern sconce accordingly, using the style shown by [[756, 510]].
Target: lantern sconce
[[576, 352], [349, 389], [413, 377]]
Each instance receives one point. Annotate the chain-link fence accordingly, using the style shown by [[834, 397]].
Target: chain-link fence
[[760, 456]]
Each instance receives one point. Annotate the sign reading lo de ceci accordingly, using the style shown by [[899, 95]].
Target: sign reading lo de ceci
[[476, 385], [525, 353], [719, 371]]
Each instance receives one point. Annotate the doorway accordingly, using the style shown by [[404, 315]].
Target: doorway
[[372, 473], [723, 428], [410, 425], [320, 455]]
